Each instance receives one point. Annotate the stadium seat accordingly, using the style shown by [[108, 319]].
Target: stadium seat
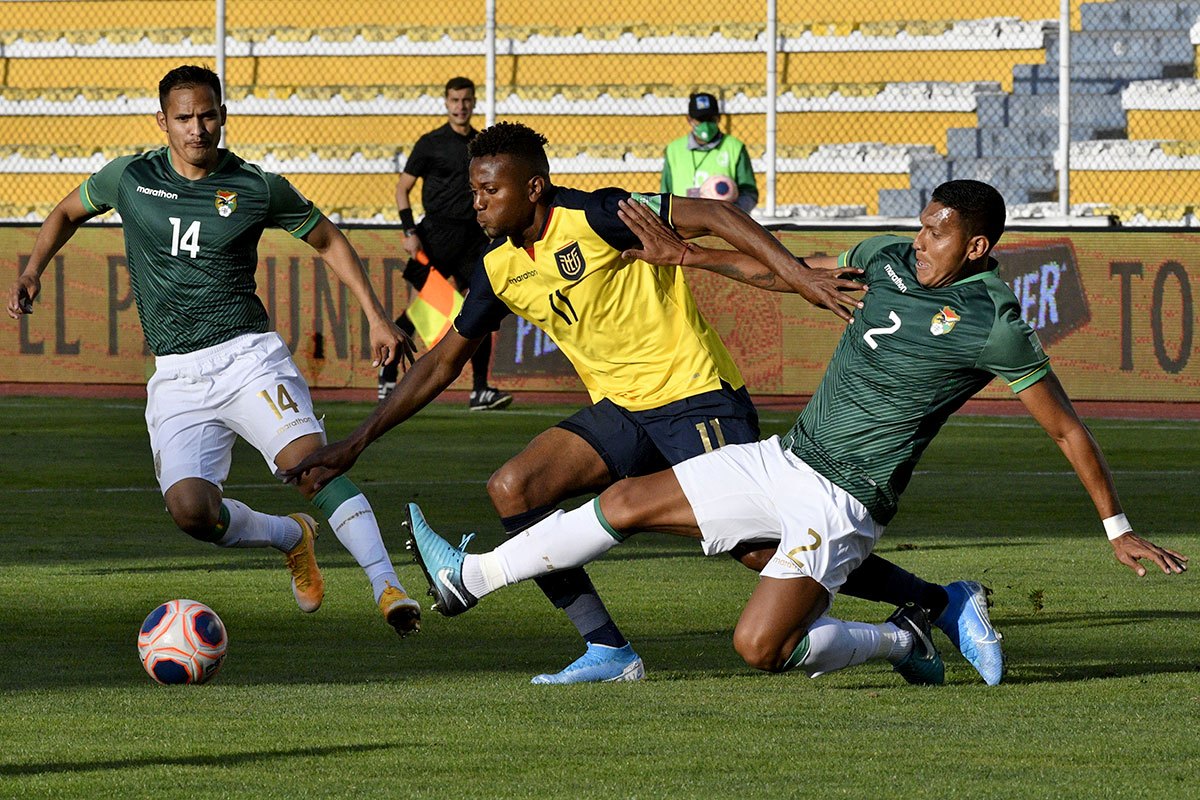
[[344, 98]]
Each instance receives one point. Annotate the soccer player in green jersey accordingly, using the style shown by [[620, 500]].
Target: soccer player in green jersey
[[193, 214], [936, 326], [664, 388]]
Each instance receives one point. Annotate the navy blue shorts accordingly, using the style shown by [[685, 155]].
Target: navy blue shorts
[[641, 442]]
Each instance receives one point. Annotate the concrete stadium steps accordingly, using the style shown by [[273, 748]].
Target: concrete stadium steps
[[1164, 124], [1042, 79], [1143, 15], [515, 73], [1022, 111], [1028, 175], [1145, 215], [107, 16], [40, 190], [118, 134], [1171, 47], [1131, 187], [342, 193], [1163, 109], [128, 132], [1135, 173], [353, 177], [1022, 142]]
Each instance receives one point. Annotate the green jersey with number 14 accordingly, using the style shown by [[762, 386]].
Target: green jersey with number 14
[[192, 246], [910, 359]]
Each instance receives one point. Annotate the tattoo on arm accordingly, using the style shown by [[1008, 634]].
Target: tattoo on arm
[[763, 279]]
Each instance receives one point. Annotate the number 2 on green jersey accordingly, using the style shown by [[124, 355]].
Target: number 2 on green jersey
[[869, 336]]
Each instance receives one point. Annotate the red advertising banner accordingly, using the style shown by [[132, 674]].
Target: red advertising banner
[[1115, 310]]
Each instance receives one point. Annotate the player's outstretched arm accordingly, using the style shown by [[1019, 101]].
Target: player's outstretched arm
[[57, 229], [1048, 403], [662, 245], [827, 289], [388, 343], [425, 380]]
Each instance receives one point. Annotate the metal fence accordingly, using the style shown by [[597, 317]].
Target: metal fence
[[858, 109]]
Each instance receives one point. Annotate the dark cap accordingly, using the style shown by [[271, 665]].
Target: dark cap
[[703, 106]]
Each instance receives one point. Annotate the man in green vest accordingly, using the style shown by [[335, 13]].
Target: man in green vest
[[694, 165]]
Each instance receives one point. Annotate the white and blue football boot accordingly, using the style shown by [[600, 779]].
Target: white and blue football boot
[[966, 622], [441, 563], [600, 664]]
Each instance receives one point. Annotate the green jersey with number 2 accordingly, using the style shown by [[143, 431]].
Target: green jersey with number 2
[[909, 360]]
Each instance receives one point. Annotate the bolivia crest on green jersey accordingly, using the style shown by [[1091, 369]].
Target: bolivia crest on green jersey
[[226, 202], [944, 321]]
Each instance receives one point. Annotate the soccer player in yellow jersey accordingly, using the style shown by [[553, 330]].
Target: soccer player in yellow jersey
[[663, 386], [937, 325]]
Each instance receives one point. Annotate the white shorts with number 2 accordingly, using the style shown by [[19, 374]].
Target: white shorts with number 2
[[198, 403], [761, 492]]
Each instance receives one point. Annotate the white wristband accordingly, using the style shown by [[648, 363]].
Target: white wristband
[[1117, 526]]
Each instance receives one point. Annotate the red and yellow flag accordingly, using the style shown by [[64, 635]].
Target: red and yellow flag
[[435, 306]]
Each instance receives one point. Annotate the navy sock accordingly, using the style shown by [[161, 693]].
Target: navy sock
[[880, 580], [571, 590]]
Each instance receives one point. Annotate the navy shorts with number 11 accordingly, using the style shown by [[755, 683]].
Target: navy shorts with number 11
[[642, 442]]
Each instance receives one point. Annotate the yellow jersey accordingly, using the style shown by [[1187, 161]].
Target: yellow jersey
[[631, 329]]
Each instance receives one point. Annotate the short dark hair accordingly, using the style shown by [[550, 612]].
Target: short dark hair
[[980, 206], [454, 84], [513, 139], [187, 77]]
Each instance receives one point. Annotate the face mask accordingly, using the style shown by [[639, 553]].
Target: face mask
[[705, 132]]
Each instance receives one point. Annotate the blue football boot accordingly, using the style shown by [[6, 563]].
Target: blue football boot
[[600, 664], [966, 622], [441, 563]]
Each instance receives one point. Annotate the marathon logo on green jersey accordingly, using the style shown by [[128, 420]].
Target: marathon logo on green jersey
[[163, 193], [226, 202]]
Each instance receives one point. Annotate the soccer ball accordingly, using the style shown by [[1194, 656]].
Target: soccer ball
[[719, 187], [182, 641]]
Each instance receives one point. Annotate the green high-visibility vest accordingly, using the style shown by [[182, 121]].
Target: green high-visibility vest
[[690, 168]]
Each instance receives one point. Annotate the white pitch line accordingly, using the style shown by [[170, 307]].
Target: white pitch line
[[228, 487], [1066, 473]]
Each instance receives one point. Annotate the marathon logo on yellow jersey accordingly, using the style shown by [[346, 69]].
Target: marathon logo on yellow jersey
[[944, 321], [226, 202], [570, 261]]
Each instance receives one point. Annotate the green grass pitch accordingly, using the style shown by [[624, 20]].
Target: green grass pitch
[[1101, 699]]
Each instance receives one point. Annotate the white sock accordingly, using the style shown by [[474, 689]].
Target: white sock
[[902, 643], [250, 528], [354, 524], [560, 541], [835, 644]]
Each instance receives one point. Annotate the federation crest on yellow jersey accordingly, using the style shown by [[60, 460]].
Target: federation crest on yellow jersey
[[570, 261], [226, 202], [944, 321]]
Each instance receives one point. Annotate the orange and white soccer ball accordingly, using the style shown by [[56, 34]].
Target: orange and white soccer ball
[[182, 641], [719, 187]]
